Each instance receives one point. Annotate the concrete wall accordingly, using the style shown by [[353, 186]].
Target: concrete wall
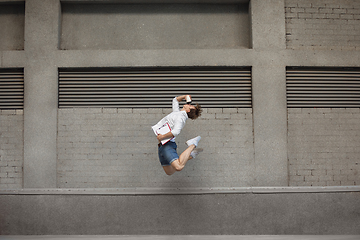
[[323, 24], [154, 26], [218, 214], [12, 26], [11, 152], [265, 162], [324, 146], [116, 148], [264, 150]]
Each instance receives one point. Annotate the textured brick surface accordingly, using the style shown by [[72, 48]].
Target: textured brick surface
[[11, 151], [99, 147], [324, 146], [323, 24]]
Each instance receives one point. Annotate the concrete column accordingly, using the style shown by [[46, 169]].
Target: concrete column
[[268, 24], [40, 93], [269, 93]]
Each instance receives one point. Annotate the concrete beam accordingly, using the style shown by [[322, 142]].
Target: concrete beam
[[12, 59], [322, 58], [195, 57]]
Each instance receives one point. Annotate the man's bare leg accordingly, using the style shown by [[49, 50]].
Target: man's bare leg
[[185, 156], [169, 170], [179, 164]]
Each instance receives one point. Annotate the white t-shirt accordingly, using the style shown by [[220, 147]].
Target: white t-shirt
[[176, 119]]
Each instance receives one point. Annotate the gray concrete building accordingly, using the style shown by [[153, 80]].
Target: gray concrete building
[[82, 82]]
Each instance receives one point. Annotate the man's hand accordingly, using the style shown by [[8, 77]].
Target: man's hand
[[180, 98], [161, 137]]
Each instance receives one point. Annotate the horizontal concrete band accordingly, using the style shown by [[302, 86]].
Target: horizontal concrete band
[[180, 191], [145, 1], [184, 237]]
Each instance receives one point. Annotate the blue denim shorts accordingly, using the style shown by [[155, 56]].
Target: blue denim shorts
[[167, 153]]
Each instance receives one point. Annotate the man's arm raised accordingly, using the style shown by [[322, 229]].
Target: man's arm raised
[[182, 97]]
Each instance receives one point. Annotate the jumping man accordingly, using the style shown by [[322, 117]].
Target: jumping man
[[169, 159]]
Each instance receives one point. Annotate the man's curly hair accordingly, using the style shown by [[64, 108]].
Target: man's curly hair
[[195, 113]]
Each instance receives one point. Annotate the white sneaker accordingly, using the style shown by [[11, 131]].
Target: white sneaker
[[194, 141], [196, 152]]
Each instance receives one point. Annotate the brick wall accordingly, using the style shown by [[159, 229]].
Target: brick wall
[[11, 151], [116, 148], [323, 24], [324, 146]]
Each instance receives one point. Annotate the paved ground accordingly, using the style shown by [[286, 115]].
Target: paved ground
[[199, 237]]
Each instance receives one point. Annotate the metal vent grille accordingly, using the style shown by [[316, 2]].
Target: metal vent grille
[[154, 87], [323, 87], [11, 89]]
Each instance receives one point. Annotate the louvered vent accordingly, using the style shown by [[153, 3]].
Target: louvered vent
[[11, 89], [154, 87], [323, 87]]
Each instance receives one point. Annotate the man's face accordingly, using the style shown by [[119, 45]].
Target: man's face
[[187, 107]]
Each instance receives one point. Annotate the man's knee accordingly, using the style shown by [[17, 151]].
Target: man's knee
[[177, 166], [169, 170]]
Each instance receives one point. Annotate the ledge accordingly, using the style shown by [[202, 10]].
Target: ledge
[[158, 1], [184, 237], [177, 191]]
